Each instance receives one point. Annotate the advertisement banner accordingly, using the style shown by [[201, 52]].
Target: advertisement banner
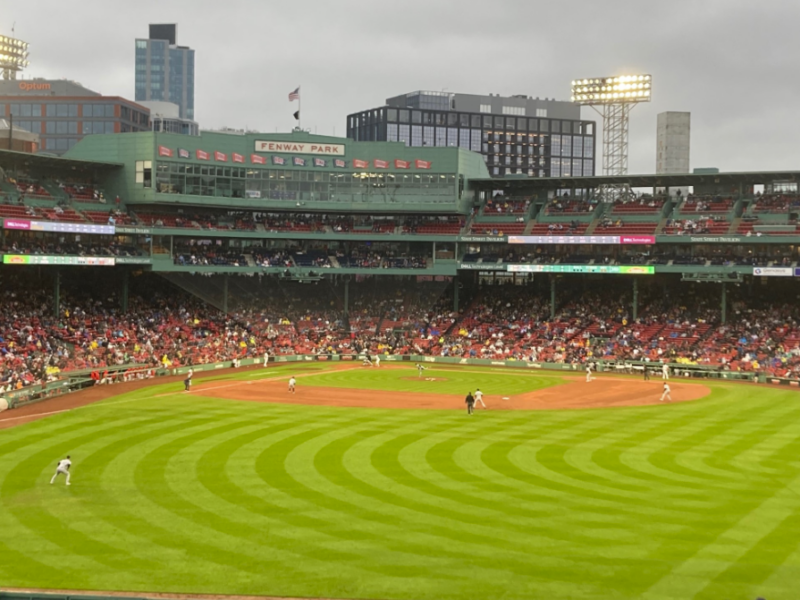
[[380, 164], [278, 160], [401, 164], [257, 160], [299, 148], [17, 224], [164, 151], [58, 226], [320, 162], [604, 269], [183, 153], [339, 163], [422, 164], [37, 259], [581, 239], [238, 158], [252, 193], [298, 162], [360, 164], [773, 271], [220, 156], [202, 155]]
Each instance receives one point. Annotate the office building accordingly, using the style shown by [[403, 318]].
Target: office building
[[165, 118], [164, 70], [517, 135], [672, 142], [61, 112]]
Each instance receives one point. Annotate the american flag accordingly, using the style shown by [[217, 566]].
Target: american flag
[[295, 95]]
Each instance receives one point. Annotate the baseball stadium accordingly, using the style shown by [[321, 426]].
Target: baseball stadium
[[253, 359]]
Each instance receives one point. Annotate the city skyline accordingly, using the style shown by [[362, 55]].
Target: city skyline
[[723, 62]]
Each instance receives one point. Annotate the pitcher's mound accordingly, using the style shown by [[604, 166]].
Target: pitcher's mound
[[424, 378]]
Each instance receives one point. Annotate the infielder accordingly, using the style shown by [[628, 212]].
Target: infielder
[[187, 383], [479, 398], [420, 369], [378, 360], [666, 395], [292, 382], [665, 372], [266, 359], [63, 467], [588, 373]]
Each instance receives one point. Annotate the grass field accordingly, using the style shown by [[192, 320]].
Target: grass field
[[173, 492]]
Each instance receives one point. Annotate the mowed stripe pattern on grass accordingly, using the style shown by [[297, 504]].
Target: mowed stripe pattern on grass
[[187, 494]]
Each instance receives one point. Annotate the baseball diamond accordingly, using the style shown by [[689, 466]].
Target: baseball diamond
[[304, 366]]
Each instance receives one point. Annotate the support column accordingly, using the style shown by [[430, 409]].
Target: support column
[[455, 294], [57, 294], [125, 277], [225, 293], [434, 254], [724, 308], [347, 297], [635, 298], [552, 297]]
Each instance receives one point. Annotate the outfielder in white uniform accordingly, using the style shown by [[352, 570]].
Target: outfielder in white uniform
[[666, 395], [266, 359], [665, 372], [63, 468], [479, 398], [588, 373], [292, 382]]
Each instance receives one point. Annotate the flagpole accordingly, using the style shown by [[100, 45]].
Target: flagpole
[[299, 109]]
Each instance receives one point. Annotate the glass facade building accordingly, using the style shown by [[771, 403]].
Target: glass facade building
[[516, 135], [164, 70]]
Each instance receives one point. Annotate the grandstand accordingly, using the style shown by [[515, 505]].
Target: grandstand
[[384, 248]]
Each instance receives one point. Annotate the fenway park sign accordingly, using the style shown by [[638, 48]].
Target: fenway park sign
[[299, 148]]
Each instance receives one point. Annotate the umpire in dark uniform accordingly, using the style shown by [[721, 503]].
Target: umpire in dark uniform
[[470, 400]]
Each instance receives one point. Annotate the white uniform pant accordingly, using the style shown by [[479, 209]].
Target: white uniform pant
[[63, 472], [479, 400], [666, 396]]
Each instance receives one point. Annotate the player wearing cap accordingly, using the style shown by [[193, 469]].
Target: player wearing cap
[[63, 468]]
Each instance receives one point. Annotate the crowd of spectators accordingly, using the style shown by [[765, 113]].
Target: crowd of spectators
[[166, 327]]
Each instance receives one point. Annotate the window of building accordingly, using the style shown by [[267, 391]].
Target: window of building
[[402, 116], [555, 145], [514, 110], [62, 110], [51, 110], [61, 127], [487, 122], [555, 168], [427, 118], [577, 146], [464, 138], [49, 144], [428, 137], [404, 134], [391, 115], [475, 121], [498, 122], [452, 136], [463, 120], [555, 126], [544, 125], [522, 125], [588, 128], [391, 132], [109, 127], [541, 112], [475, 145], [452, 119], [486, 108], [577, 171], [73, 110], [588, 169], [61, 144], [511, 123], [416, 116], [416, 135], [98, 127], [588, 147], [566, 145]]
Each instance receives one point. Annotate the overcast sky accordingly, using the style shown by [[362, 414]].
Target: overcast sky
[[733, 64]]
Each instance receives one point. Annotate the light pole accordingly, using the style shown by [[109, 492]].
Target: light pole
[[613, 98]]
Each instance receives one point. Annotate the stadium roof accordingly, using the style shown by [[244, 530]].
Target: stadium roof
[[635, 181], [13, 159]]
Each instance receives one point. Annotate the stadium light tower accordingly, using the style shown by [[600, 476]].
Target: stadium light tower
[[613, 98], [13, 56]]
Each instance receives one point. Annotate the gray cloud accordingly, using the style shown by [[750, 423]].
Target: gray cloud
[[731, 63]]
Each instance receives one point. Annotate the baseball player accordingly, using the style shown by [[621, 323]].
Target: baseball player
[[63, 468], [646, 373], [588, 372], [479, 398], [292, 382], [187, 383], [665, 372], [420, 369], [366, 362], [378, 360], [470, 401], [666, 395], [266, 359]]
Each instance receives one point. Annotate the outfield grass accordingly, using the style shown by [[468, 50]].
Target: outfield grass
[[186, 494]]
